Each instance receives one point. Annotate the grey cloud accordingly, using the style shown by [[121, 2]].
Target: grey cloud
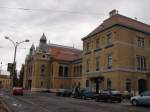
[[63, 21]]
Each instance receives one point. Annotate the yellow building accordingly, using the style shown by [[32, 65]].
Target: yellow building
[[5, 81], [116, 55], [52, 67]]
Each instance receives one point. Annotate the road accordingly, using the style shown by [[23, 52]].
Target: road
[[48, 102]]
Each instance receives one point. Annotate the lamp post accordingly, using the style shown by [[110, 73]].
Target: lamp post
[[15, 44]]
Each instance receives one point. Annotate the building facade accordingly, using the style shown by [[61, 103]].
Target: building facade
[[52, 67], [5, 81], [116, 55]]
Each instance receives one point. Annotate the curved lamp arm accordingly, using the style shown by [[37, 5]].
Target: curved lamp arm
[[11, 41]]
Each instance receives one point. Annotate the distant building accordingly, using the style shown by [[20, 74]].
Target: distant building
[[116, 55], [51, 66], [5, 81]]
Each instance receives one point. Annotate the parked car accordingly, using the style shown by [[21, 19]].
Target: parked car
[[17, 91], [142, 99], [64, 92], [85, 94], [109, 96]]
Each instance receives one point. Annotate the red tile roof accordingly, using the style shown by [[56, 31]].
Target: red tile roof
[[121, 20], [64, 53]]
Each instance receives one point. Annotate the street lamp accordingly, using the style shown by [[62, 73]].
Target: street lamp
[[15, 44]]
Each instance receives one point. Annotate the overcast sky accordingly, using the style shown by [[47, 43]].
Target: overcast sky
[[63, 21]]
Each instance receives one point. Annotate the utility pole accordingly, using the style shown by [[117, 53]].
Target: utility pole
[[13, 72]]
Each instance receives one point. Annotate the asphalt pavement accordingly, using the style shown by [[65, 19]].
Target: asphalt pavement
[[49, 102]]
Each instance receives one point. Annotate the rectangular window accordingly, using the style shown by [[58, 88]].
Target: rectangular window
[[140, 41], [88, 47], [87, 83], [80, 69], [109, 61], [60, 71], [97, 43], [66, 72], [87, 66], [97, 63], [141, 63], [149, 42], [109, 39]]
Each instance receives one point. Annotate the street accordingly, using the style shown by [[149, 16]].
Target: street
[[48, 102]]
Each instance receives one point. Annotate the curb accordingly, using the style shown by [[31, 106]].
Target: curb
[[4, 106]]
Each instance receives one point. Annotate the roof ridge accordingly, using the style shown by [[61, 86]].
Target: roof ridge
[[137, 21], [63, 46], [120, 19]]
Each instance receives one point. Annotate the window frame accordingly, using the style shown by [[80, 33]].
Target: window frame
[[97, 43], [140, 41], [141, 63], [109, 61], [97, 63], [109, 39]]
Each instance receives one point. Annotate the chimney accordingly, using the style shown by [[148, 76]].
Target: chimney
[[113, 12]]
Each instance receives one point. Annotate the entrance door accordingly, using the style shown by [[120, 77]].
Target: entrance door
[[141, 85]]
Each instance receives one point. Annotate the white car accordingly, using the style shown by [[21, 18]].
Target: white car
[[142, 99]]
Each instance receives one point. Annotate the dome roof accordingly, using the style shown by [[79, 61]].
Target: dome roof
[[43, 38]]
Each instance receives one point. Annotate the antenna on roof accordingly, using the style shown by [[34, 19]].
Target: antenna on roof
[[135, 18]]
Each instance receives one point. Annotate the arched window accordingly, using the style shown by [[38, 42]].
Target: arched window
[[109, 84]]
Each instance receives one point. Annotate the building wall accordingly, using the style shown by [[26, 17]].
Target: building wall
[[5, 82], [124, 51]]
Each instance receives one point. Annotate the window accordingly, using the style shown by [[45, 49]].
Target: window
[[60, 71], [42, 68], [128, 85], [97, 43], [87, 65], [109, 84], [141, 63], [149, 42], [109, 61], [77, 70], [43, 56], [140, 41], [109, 39], [97, 63], [88, 47], [65, 71], [80, 69], [87, 83], [41, 83], [74, 69]]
